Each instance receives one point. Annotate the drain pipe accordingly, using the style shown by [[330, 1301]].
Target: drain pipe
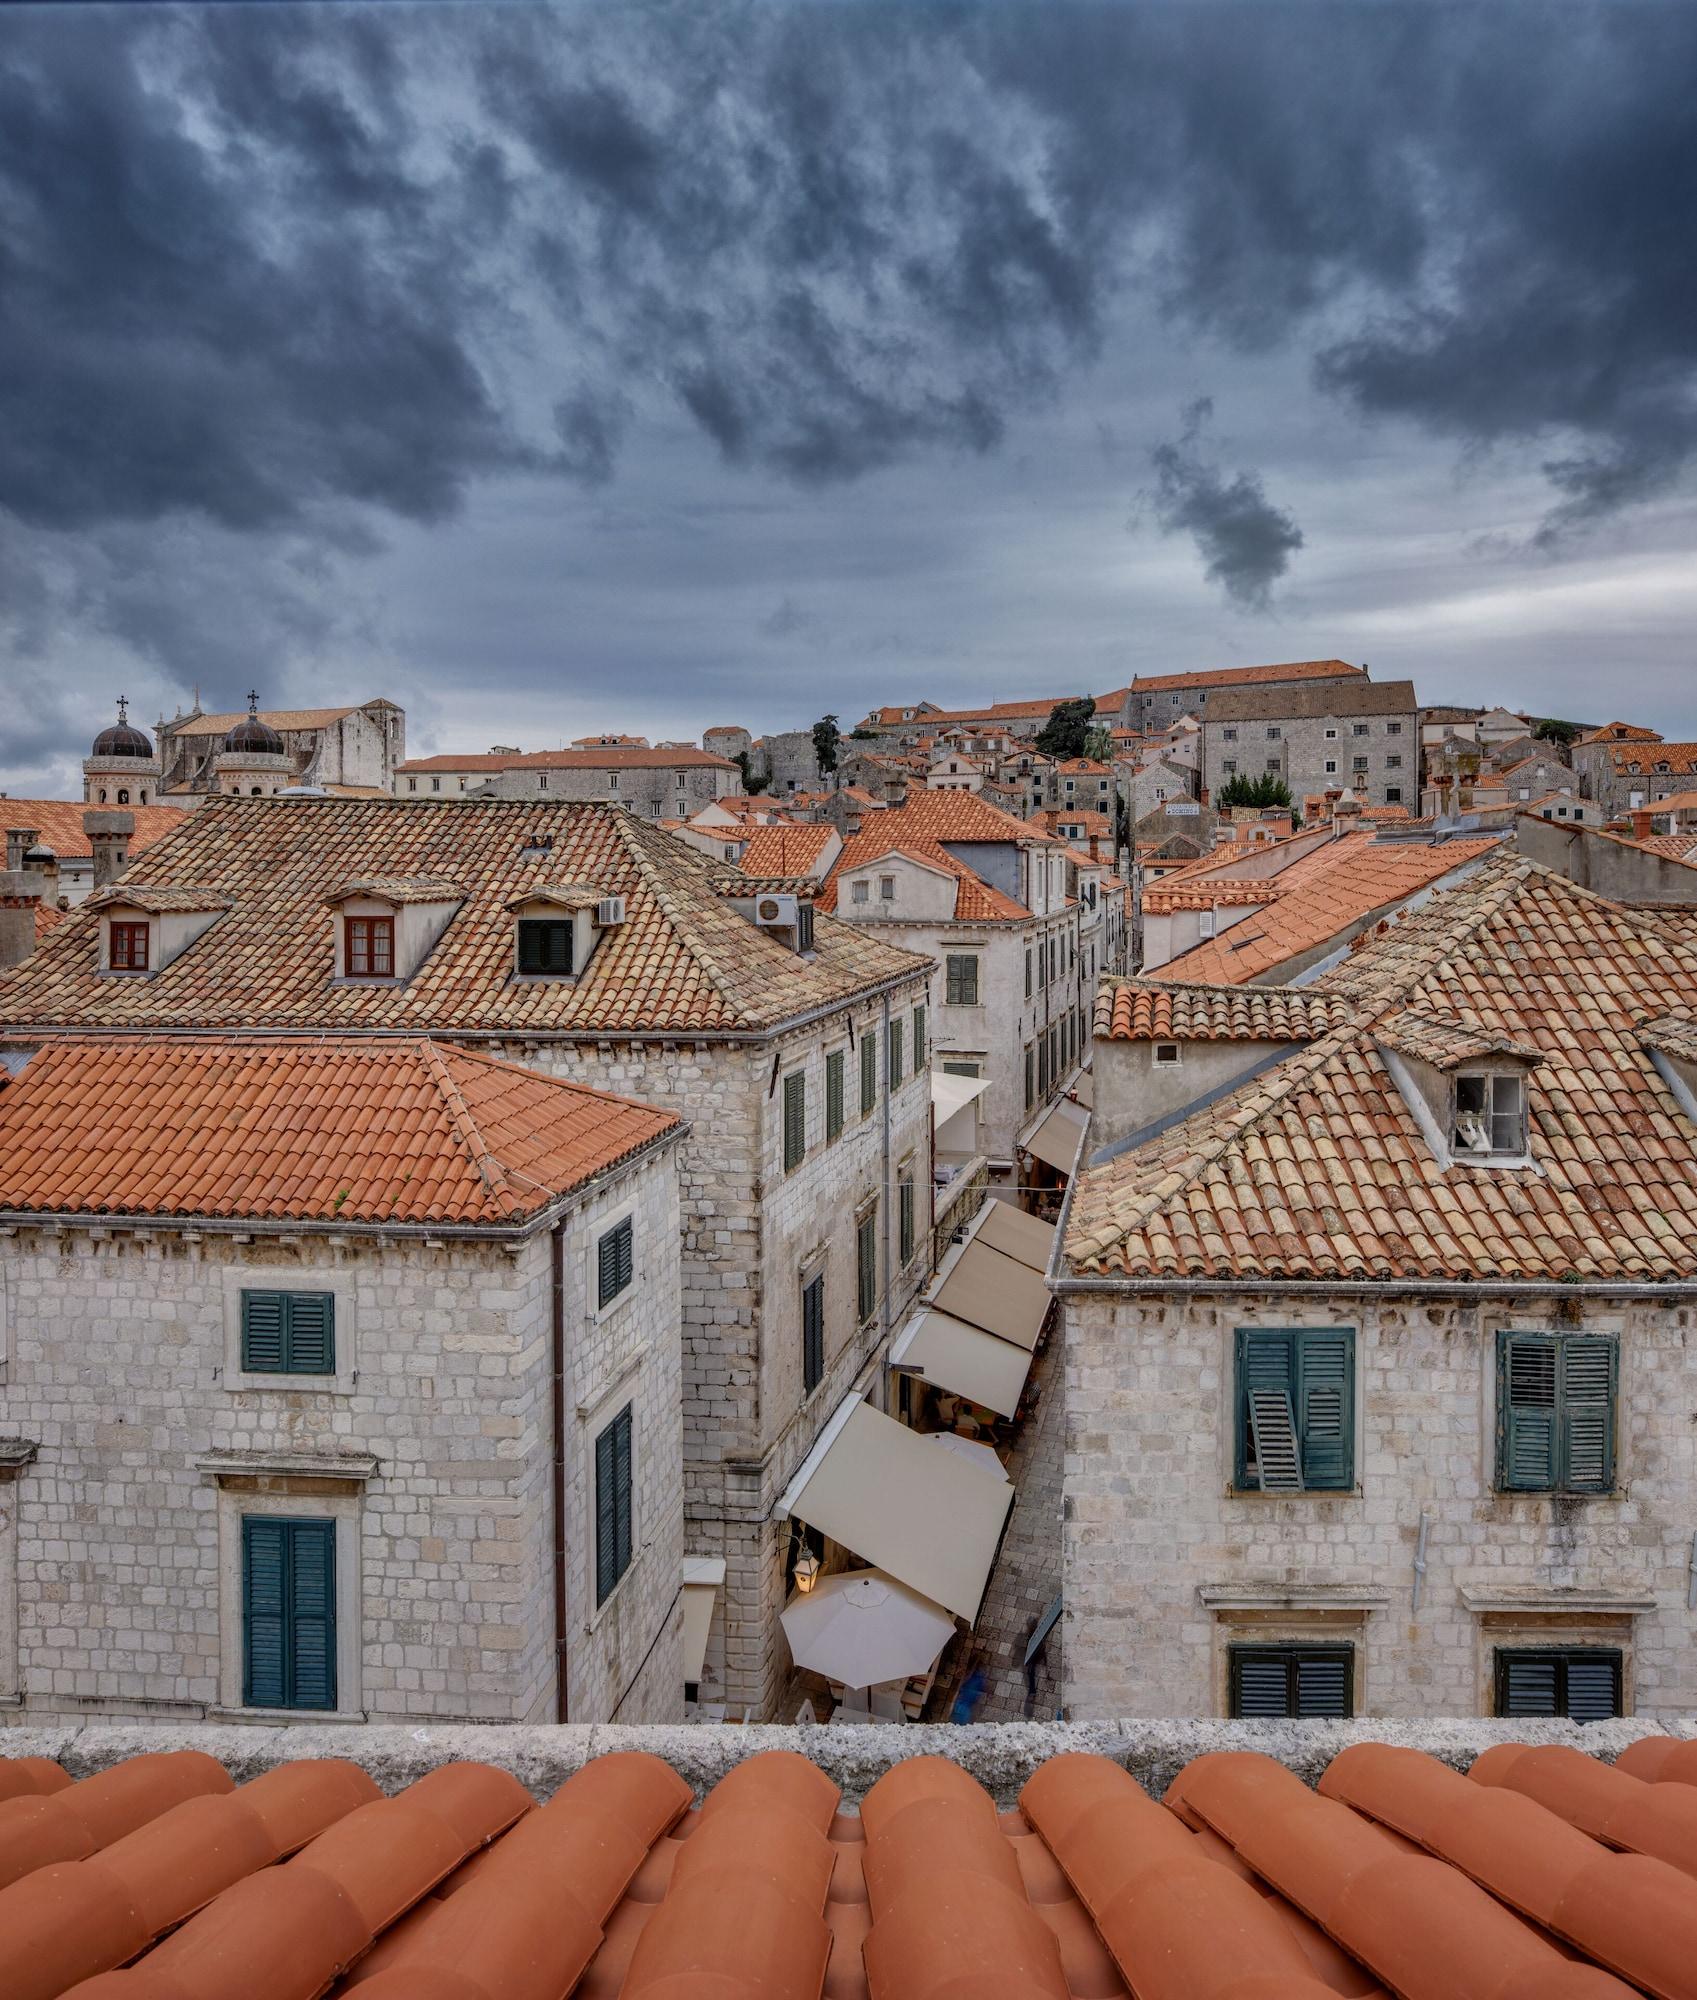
[[885, 1205], [557, 1329], [1419, 1564], [1691, 1585]]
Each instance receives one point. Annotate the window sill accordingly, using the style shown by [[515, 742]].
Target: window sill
[[300, 1385], [1235, 1492], [296, 1717]]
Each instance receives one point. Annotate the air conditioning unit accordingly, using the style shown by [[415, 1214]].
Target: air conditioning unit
[[609, 911], [777, 912]]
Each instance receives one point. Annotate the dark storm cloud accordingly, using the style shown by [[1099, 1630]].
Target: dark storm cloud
[[1245, 542], [288, 272]]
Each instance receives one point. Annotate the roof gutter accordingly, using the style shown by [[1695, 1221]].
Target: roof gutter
[[1449, 1288]]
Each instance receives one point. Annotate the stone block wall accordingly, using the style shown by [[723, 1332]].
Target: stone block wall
[[1165, 1565], [120, 1544]]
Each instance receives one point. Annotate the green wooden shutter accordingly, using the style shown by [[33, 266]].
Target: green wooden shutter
[[545, 946], [795, 1119], [866, 1265], [833, 1095], [896, 1071], [1325, 1406], [612, 1504], [264, 1612], [622, 1486], [1528, 1371], [263, 1333], [1323, 1683], [288, 1613], [918, 1038], [905, 1189], [311, 1322], [312, 1551], [1528, 1684], [1593, 1686], [812, 1334], [1588, 1377], [1266, 1363], [1273, 1681], [614, 1261], [868, 1073], [1583, 1685]]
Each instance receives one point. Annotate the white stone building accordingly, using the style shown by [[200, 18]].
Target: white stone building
[[338, 1377], [1380, 1303], [587, 943], [352, 751], [993, 902], [664, 782]]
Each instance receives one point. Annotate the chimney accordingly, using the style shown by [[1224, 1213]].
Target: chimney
[[41, 865], [19, 894], [19, 841], [1642, 821], [109, 836]]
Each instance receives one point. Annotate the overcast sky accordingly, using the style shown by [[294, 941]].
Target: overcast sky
[[650, 367]]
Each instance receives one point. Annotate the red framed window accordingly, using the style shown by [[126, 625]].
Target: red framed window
[[129, 948], [371, 947]]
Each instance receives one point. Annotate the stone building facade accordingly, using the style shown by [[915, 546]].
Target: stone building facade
[[1155, 1609], [1361, 735], [139, 1441], [354, 749], [662, 783]]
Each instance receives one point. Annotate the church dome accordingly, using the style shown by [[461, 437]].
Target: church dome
[[253, 734], [122, 738]]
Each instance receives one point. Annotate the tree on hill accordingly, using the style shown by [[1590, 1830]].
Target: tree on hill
[[1551, 729], [750, 783], [1267, 790], [827, 740], [1063, 735]]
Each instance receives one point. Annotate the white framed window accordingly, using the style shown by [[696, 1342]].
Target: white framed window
[[1167, 1055], [886, 888], [1489, 1117]]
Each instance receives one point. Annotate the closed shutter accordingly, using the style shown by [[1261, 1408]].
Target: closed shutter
[[894, 1067], [288, 1613], [919, 1038], [1584, 1686], [1323, 1683], [1030, 1076], [834, 1095], [868, 1073], [1326, 1406], [615, 1261], [1528, 1365], [545, 946], [1587, 1413], [962, 973], [1268, 1681], [1260, 1684], [906, 1218], [795, 1119], [289, 1333], [866, 1265], [812, 1334], [263, 1332], [612, 1504]]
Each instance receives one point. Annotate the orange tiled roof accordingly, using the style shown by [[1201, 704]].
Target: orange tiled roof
[[1318, 1168], [785, 850], [1648, 758], [1291, 670], [1620, 732], [918, 828], [1543, 1873], [1144, 1010], [280, 719], [683, 959], [48, 916], [1049, 818], [1315, 898], [1085, 765], [1671, 846], [320, 1130], [1171, 893], [472, 760], [59, 822], [608, 757]]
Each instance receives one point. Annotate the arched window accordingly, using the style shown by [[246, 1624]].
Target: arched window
[[123, 798], [103, 795], [255, 790]]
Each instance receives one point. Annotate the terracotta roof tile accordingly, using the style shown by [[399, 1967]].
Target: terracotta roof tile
[[1679, 758], [785, 850], [1315, 898], [60, 823], [1291, 670], [919, 828], [1620, 732], [1318, 1168], [682, 961], [1147, 1010], [321, 1130], [1399, 1876], [278, 718]]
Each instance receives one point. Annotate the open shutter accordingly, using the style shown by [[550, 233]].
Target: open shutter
[[312, 1550], [1588, 1375], [795, 1118], [1323, 1684], [919, 1038], [1527, 1371], [1325, 1406], [813, 1334], [1266, 1367], [311, 1344], [622, 1485], [606, 1515], [868, 1072], [264, 1612], [1274, 1430], [834, 1094], [867, 1273], [262, 1332]]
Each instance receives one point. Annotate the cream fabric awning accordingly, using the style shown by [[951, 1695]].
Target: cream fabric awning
[[1084, 1089], [951, 1355], [1025, 1238], [889, 1495], [995, 1292], [950, 1093], [703, 1578], [1055, 1142]]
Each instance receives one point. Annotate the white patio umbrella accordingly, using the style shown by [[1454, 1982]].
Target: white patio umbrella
[[862, 1627], [982, 1456]]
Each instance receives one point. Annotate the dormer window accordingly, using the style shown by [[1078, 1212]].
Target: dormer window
[[545, 947], [1490, 1116], [371, 947], [129, 947]]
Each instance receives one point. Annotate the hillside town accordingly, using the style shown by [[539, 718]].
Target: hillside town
[[1174, 1201]]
